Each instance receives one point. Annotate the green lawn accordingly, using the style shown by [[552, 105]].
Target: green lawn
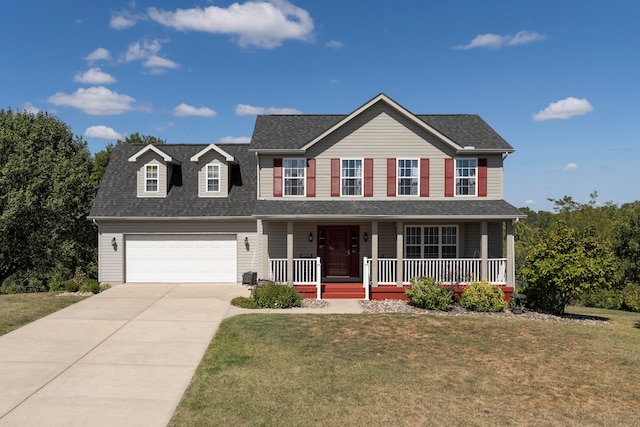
[[19, 309], [414, 369]]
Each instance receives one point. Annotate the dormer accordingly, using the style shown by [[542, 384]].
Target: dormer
[[154, 173], [214, 168]]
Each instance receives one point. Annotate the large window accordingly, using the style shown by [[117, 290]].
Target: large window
[[293, 172], [408, 177], [351, 177], [466, 177], [439, 241], [213, 178], [151, 178]]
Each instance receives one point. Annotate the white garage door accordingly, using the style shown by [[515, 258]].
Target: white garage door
[[181, 258]]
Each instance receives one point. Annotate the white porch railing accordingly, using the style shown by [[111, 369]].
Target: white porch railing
[[447, 271], [306, 271]]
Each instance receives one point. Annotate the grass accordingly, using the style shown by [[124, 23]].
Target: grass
[[414, 369], [19, 309]]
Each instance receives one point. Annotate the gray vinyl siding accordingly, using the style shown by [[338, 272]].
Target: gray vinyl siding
[[111, 269], [381, 133], [151, 158], [212, 157]]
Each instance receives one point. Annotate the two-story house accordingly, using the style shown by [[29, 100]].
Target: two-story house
[[338, 205]]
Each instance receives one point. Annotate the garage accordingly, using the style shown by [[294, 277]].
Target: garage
[[181, 258]]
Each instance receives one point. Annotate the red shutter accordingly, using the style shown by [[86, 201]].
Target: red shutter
[[368, 177], [311, 178], [391, 177], [335, 177], [277, 177], [424, 177], [482, 177], [448, 177]]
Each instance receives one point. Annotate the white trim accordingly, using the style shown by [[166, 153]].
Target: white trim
[[228, 157], [206, 177], [361, 160], [384, 98], [147, 179], [304, 179], [398, 177], [149, 147]]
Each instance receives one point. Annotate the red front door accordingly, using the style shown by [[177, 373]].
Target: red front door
[[339, 250]]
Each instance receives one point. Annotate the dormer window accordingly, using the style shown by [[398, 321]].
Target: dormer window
[[213, 178], [151, 179]]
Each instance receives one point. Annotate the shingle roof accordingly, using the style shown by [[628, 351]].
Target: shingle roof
[[295, 131], [117, 196], [461, 208]]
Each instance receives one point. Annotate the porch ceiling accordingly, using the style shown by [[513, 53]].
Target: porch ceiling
[[388, 209]]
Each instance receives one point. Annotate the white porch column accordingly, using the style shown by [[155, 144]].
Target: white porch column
[[290, 252], [511, 255], [399, 253], [374, 253], [263, 250], [484, 250]]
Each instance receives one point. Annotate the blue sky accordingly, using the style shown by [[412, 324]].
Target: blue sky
[[559, 80]]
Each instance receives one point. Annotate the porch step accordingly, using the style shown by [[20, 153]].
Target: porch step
[[342, 290]]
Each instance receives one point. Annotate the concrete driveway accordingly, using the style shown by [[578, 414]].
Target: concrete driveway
[[120, 358]]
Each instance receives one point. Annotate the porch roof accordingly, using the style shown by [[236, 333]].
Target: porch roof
[[387, 209]]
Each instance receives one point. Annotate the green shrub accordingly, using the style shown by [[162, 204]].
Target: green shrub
[[631, 297], [57, 282], [426, 293], [244, 302], [71, 286], [274, 295], [90, 285], [483, 296], [603, 298]]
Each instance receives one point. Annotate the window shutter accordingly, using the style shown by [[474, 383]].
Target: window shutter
[[424, 177], [448, 177], [368, 177], [391, 177], [335, 177], [311, 178], [482, 177], [277, 177]]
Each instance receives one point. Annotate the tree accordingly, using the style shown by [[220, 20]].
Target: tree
[[626, 242], [101, 158], [45, 196], [564, 264]]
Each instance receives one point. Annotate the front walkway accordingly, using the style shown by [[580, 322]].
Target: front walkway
[[123, 357]]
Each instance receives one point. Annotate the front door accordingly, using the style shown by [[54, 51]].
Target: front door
[[339, 250]]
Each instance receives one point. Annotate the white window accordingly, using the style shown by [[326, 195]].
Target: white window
[[408, 177], [293, 174], [151, 178], [466, 177], [213, 178], [431, 241], [351, 177]]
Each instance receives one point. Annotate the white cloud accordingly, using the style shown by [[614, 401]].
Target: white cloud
[[564, 109], [530, 202], [188, 110], [250, 110], [570, 167], [148, 52], [94, 76], [100, 54], [96, 101], [335, 44], [235, 140], [102, 132], [29, 107], [495, 41], [263, 24], [122, 21]]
